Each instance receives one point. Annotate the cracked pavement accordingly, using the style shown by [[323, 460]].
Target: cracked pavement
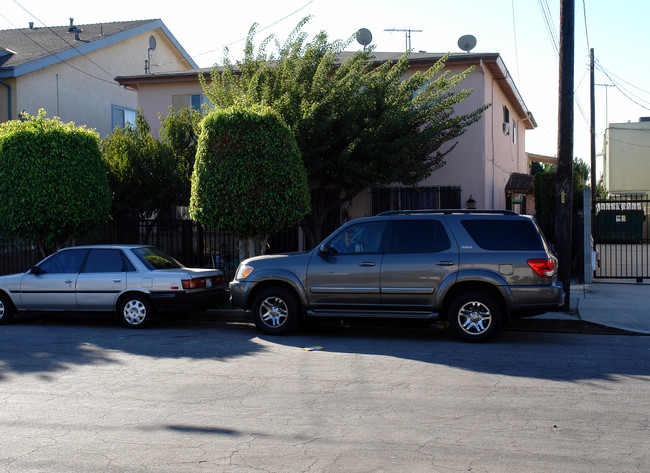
[[81, 396]]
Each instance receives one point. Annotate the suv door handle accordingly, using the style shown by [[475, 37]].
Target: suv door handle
[[445, 263], [367, 263]]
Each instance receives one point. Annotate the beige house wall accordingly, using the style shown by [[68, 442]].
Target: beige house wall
[[484, 157], [87, 98], [627, 158], [156, 98]]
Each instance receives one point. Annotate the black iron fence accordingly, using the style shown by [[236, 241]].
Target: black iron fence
[[621, 231], [187, 241]]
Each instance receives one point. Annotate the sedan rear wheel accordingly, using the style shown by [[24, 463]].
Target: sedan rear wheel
[[135, 311], [6, 309]]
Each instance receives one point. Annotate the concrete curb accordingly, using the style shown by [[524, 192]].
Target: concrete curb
[[553, 323]]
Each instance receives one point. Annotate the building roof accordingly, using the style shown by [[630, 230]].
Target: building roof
[[520, 183], [492, 61], [26, 50]]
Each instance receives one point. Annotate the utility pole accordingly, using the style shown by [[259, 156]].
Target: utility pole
[[593, 130], [564, 187]]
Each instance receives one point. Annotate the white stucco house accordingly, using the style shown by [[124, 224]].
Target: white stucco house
[[69, 70]]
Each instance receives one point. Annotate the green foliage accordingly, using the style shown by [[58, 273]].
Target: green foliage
[[356, 125], [179, 132], [582, 169], [142, 172], [53, 183], [248, 177]]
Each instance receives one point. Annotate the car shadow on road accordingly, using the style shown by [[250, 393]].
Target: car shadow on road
[[43, 346]]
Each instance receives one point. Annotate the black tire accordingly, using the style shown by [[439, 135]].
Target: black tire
[[276, 311], [475, 316], [135, 311], [6, 309]]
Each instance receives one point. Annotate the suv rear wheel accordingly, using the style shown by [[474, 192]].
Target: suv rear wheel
[[475, 316], [276, 311]]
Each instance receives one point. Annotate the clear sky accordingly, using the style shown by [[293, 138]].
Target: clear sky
[[520, 30]]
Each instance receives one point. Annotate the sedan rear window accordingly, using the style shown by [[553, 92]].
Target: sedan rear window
[[504, 235], [153, 258]]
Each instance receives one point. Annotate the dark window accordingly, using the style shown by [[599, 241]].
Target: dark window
[[408, 198], [360, 238], [418, 236], [504, 235], [104, 261], [66, 261]]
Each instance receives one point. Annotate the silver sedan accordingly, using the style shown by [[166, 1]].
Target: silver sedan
[[135, 281]]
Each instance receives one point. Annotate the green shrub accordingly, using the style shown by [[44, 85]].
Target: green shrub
[[248, 175], [53, 183]]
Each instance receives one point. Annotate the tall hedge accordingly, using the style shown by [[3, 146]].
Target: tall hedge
[[248, 174], [53, 183]]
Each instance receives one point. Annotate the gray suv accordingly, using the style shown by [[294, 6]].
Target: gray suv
[[468, 269]]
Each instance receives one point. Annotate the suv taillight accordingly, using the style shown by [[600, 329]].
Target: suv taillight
[[543, 267]]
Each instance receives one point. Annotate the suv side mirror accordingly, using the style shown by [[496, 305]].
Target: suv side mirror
[[323, 250]]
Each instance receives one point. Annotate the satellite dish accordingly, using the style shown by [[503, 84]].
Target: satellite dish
[[467, 42], [364, 37], [152, 42]]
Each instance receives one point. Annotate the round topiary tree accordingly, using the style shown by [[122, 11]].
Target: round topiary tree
[[53, 183], [248, 176]]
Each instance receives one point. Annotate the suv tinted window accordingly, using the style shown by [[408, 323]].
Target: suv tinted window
[[361, 238], [418, 236], [504, 235]]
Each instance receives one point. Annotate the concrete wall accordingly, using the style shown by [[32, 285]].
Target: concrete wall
[[87, 99], [627, 158]]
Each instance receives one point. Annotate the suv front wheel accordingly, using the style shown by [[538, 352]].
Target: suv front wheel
[[276, 311], [475, 316]]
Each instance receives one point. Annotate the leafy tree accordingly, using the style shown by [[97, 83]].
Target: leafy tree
[[53, 183], [357, 125], [179, 132], [142, 172], [248, 177], [582, 168]]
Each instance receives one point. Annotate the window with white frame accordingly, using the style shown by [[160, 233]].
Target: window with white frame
[[194, 101], [120, 116]]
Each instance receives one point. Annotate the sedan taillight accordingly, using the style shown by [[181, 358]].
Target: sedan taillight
[[543, 267], [203, 283], [193, 283]]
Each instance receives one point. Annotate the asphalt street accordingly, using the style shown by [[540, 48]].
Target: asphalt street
[[89, 396]]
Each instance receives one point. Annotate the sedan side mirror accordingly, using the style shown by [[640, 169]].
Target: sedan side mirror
[[35, 270]]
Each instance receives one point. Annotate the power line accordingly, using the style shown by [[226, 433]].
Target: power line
[[244, 38], [584, 11], [550, 27], [514, 31]]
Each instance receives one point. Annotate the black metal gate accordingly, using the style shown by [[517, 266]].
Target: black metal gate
[[621, 231]]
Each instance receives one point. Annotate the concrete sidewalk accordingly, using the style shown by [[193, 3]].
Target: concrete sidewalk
[[623, 304]]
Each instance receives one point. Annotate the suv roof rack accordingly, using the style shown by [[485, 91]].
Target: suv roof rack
[[448, 212]]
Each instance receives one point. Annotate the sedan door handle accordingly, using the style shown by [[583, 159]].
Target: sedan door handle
[[445, 263], [367, 263], [68, 281], [117, 280]]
